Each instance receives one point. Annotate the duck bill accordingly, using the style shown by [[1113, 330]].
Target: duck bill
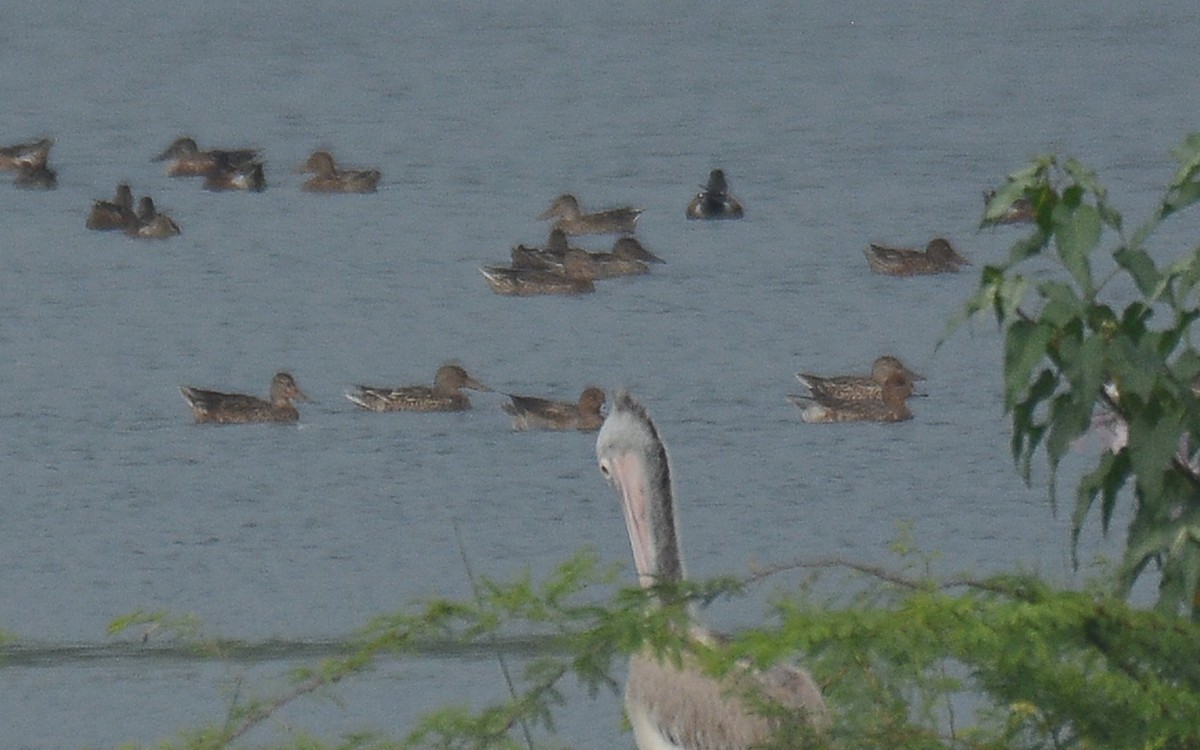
[[475, 385]]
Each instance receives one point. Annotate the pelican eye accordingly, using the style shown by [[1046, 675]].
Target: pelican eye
[[604, 469]]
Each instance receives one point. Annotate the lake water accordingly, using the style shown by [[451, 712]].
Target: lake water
[[838, 124]]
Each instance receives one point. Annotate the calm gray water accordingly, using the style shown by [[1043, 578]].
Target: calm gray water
[[838, 124]]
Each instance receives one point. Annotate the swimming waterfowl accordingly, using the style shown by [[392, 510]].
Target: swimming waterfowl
[[226, 175], [938, 257], [444, 395], [235, 408], [673, 704], [891, 407], [329, 178], [36, 177], [150, 223], [548, 257], [574, 278], [532, 413], [857, 387], [115, 214], [187, 160], [715, 201], [572, 220], [627, 258], [25, 155], [1019, 212]]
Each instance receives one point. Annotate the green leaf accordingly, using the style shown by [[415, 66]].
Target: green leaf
[[1063, 306], [1153, 439], [1141, 268], [1076, 234], [1025, 349], [1188, 156]]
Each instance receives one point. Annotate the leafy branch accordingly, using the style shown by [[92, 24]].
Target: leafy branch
[[1075, 357]]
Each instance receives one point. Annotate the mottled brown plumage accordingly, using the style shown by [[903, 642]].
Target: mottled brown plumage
[[327, 177], [937, 257], [571, 219], [236, 408], [115, 214], [856, 387], [532, 413], [444, 395], [890, 407]]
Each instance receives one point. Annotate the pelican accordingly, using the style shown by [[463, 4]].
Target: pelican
[[679, 707]]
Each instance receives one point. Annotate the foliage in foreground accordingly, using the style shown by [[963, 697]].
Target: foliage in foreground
[[1070, 348], [1042, 668], [910, 662]]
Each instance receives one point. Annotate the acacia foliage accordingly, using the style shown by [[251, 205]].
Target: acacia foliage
[[1042, 669], [1097, 325]]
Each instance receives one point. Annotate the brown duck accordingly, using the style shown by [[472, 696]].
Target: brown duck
[[235, 408], [444, 395]]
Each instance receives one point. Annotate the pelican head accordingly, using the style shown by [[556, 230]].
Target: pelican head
[[633, 459]]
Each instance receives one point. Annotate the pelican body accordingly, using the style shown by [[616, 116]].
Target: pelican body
[[445, 394], [679, 707], [236, 408]]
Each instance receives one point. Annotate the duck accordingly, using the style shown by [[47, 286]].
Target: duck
[[857, 387], [444, 395], [228, 175], [329, 178], [185, 159], [628, 257], [574, 278], [938, 257], [890, 407], [25, 155], [150, 223], [672, 703], [235, 408], [36, 177], [115, 214], [533, 413], [715, 201], [548, 257], [1020, 211], [572, 220]]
